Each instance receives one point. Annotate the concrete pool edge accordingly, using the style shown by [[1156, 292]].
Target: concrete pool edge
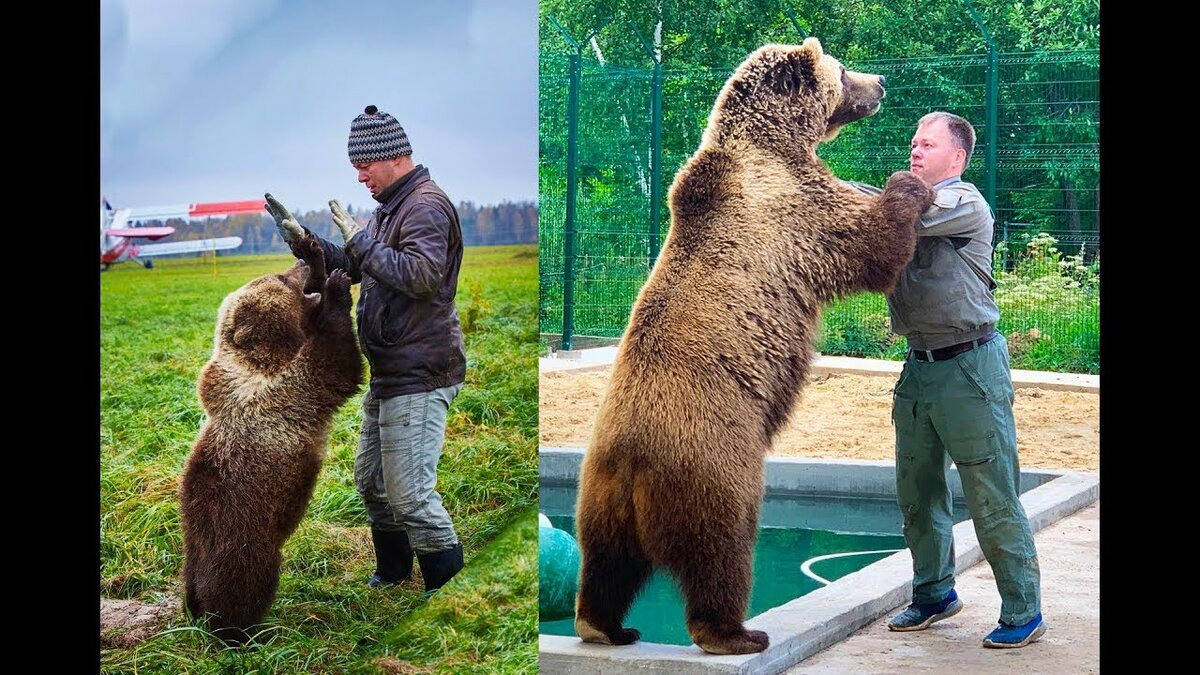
[[806, 625]]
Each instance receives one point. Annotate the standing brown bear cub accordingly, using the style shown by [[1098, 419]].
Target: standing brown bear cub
[[284, 360], [720, 341]]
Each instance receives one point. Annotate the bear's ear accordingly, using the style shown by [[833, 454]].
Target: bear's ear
[[266, 334], [796, 71], [814, 45]]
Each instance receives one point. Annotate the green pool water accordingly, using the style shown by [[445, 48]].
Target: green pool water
[[786, 540]]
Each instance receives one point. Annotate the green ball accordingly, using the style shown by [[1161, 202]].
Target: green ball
[[558, 574]]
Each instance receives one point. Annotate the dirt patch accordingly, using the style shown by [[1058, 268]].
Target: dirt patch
[[393, 666], [841, 416], [125, 623]]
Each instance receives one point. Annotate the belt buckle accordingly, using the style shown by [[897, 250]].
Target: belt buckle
[[928, 354]]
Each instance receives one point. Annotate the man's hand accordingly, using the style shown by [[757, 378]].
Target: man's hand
[[345, 222], [289, 229]]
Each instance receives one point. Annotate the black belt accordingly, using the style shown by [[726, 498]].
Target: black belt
[[951, 351]]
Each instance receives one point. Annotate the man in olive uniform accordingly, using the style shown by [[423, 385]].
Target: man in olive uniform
[[954, 399]]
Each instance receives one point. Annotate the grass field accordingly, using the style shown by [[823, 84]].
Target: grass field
[[156, 333]]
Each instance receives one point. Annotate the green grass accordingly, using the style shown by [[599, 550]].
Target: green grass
[[1050, 326], [156, 334], [1049, 307], [1058, 335], [480, 625]]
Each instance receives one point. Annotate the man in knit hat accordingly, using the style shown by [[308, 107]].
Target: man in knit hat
[[407, 259]]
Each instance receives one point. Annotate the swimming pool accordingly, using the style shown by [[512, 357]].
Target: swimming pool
[[792, 556], [864, 493]]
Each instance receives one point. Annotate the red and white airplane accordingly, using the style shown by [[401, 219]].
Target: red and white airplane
[[117, 230]]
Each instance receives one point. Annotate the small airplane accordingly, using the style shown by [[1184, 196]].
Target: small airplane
[[117, 230]]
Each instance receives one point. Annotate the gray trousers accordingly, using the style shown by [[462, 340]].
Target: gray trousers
[[395, 470], [960, 410]]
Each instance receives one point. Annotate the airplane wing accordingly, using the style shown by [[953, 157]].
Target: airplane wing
[[192, 246], [194, 210], [144, 232]]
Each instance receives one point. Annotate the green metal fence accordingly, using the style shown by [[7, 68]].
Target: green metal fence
[[617, 136]]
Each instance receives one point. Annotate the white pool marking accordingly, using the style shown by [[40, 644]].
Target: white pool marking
[[807, 566]]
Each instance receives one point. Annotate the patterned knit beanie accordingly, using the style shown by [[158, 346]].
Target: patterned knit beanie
[[376, 136]]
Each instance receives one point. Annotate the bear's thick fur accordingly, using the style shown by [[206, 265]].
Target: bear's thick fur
[[720, 340], [284, 360]]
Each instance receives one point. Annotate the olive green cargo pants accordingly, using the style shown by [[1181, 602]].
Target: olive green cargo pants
[[960, 409]]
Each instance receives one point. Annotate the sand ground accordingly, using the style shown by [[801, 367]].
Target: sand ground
[[849, 416]]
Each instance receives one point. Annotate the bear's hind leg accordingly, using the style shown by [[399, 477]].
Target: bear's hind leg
[[610, 581], [191, 598], [240, 594], [613, 571], [717, 591], [712, 561]]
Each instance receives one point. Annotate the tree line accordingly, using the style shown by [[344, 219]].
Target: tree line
[[482, 225]]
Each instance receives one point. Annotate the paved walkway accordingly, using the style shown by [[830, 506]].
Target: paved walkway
[[1069, 555]]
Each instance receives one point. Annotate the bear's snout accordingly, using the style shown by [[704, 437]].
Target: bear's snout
[[297, 275]]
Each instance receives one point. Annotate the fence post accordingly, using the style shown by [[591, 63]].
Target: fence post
[[569, 226], [792, 15], [993, 135], [572, 147], [656, 136], [568, 308], [656, 131], [991, 104]]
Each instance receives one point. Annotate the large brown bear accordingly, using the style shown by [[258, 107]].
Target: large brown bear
[[284, 360], [720, 341]]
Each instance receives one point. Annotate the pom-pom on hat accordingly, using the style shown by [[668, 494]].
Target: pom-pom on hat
[[376, 136]]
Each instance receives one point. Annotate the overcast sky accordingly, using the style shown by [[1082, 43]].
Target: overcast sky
[[224, 100]]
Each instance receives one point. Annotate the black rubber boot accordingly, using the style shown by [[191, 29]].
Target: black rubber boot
[[393, 557], [440, 567]]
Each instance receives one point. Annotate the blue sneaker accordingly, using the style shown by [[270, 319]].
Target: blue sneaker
[[1007, 636], [920, 617]]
